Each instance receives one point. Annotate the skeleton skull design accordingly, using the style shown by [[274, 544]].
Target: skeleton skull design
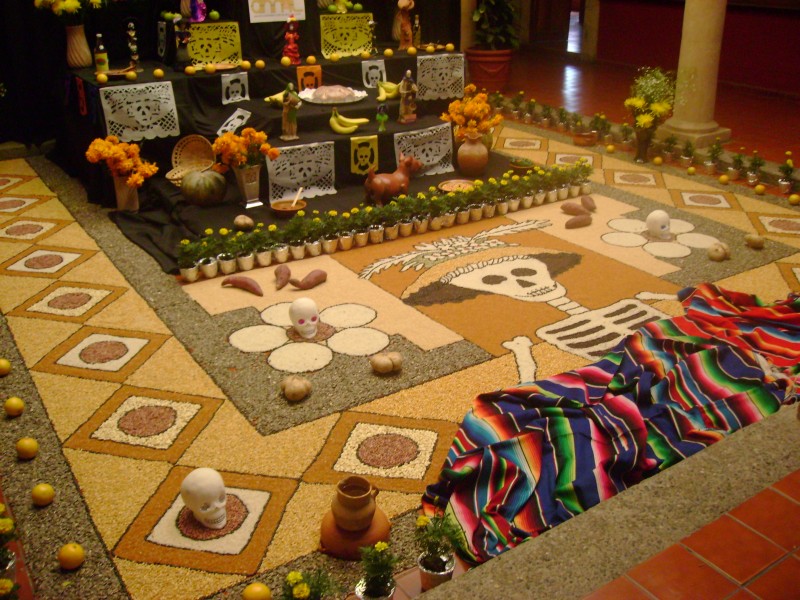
[[305, 317], [364, 157], [298, 170], [144, 111], [522, 277], [373, 75], [658, 225], [203, 492]]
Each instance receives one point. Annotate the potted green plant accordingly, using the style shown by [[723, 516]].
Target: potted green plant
[[668, 146], [687, 154], [8, 559], [754, 168], [713, 154], [314, 586], [785, 183], [378, 563], [189, 254], [496, 37], [737, 165], [436, 538]]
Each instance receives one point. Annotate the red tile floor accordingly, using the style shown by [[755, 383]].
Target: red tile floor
[[759, 120]]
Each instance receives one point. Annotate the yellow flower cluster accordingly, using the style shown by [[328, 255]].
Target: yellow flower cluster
[[647, 115], [472, 114], [70, 11], [423, 521], [122, 160], [245, 149], [6, 587]]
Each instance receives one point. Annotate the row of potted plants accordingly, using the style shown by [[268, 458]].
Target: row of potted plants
[[314, 232], [436, 538]]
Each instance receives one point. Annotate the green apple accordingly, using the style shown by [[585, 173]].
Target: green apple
[[332, 8], [357, 7], [214, 15]]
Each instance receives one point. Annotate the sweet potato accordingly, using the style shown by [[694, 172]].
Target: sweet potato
[[243, 283], [579, 221], [573, 208], [282, 276], [313, 279]]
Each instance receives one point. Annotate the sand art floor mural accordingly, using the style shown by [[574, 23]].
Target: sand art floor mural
[[125, 401]]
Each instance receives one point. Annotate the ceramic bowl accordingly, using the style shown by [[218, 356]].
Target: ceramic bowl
[[284, 208]]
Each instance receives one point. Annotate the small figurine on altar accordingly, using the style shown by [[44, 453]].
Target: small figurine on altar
[[291, 35], [182, 36], [401, 29], [199, 11], [382, 117], [408, 99], [133, 46], [291, 103]]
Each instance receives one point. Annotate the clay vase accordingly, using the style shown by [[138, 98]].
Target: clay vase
[[472, 156], [354, 504]]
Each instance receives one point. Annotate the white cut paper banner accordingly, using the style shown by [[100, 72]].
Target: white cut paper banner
[[238, 118], [310, 166], [235, 88], [373, 71], [140, 111], [267, 11], [433, 147], [440, 76]]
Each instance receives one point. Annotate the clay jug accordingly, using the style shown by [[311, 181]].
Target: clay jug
[[472, 156], [353, 506]]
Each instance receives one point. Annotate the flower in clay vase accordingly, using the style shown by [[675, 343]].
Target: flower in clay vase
[[313, 586], [70, 12], [787, 167], [472, 114], [122, 160], [248, 149], [378, 563]]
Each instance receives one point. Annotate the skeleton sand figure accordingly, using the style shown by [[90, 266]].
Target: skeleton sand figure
[[203, 492], [305, 317]]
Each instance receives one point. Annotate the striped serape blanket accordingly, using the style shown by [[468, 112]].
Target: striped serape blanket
[[527, 458]]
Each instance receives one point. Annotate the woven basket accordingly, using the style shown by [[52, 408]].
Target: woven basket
[[191, 153]]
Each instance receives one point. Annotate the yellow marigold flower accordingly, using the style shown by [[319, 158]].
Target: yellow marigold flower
[[503, 182], [332, 213], [660, 109], [644, 121], [272, 227], [788, 153], [6, 585], [184, 242], [208, 231], [790, 162], [2, 508], [381, 546], [423, 521], [368, 209], [635, 102], [421, 196], [317, 220], [354, 210], [273, 153], [492, 180], [71, 6], [301, 213], [223, 232], [478, 183], [432, 189], [515, 178], [345, 215], [300, 591], [259, 225], [315, 212], [402, 196], [294, 577], [6, 525], [96, 3]]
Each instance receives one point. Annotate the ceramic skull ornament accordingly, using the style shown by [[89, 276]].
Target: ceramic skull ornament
[[658, 225], [305, 317], [203, 492], [521, 277]]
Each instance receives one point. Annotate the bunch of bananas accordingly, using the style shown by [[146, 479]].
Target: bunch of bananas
[[345, 125], [387, 90]]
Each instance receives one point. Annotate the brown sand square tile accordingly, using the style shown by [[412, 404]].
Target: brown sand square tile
[[70, 302], [45, 261], [145, 423], [677, 573], [791, 273], [161, 535], [622, 587], [779, 583], [704, 199], [773, 516], [30, 231], [721, 543], [9, 181], [393, 453], [775, 224], [634, 178], [99, 353], [789, 485]]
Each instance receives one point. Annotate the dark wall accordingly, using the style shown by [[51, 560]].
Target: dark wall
[[32, 44], [759, 46]]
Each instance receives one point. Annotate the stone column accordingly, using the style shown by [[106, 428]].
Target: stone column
[[698, 66], [467, 24]]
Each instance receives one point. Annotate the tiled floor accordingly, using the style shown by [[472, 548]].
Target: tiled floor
[[588, 88], [753, 551]]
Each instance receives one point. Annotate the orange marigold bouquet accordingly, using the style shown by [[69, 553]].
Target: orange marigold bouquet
[[242, 150], [122, 159], [471, 114]]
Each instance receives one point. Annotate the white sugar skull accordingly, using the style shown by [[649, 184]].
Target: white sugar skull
[[203, 492], [520, 277], [305, 317], [658, 225]]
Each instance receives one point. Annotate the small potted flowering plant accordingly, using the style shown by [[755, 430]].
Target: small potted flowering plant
[[8, 533], [713, 154], [737, 165], [378, 563], [754, 168], [436, 538], [315, 586], [786, 168], [189, 254], [687, 154]]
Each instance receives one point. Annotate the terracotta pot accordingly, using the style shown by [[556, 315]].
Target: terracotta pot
[[354, 504], [489, 69], [472, 156], [345, 544]]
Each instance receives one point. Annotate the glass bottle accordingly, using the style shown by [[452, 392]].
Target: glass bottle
[[100, 55]]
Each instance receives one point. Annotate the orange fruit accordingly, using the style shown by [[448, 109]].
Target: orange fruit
[[724, 179], [260, 64], [190, 70], [131, 76], [691, 171], [449, 47], [210, 68], [27, 448], [5, 367], [658, 161], [794, 199], [760, 189], [411, 51], [366, 55], [14, 406], [430, 48], [71, 556], [611, 148], [311, 60], [42, 494], [245, 65], [256, 591], [286, 61], [158, 73], [102, 78], [388, 53]]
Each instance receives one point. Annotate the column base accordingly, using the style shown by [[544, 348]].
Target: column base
[[701, 136]]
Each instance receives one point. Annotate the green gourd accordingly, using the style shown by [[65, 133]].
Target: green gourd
[[203, 188]]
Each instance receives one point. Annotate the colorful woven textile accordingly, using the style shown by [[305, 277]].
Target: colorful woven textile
[[528, 458]]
